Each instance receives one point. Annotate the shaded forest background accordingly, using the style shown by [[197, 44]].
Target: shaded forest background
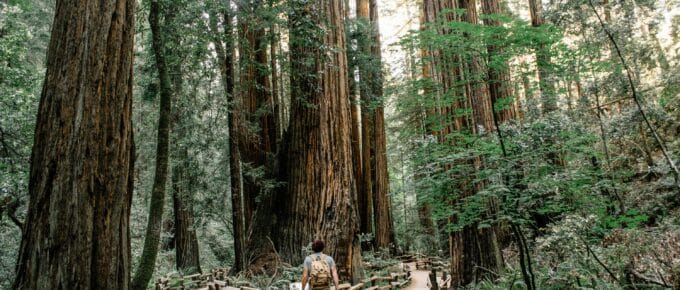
[[532, 144]]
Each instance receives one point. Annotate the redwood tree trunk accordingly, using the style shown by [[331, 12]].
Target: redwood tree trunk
[[366, 187], [548, 97], [186, 242], [384, 229], [355, 105], [258, 131], [499, 74], [76, 234], [321, 201], [471, 249], [224, 48]]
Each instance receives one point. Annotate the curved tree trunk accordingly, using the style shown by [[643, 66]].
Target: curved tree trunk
[[147, 261], [76, 234], [321, 201]]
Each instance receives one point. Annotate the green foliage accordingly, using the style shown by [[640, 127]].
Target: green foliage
[[22, 46]]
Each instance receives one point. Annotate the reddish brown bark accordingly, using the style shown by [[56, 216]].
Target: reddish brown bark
[[225, 56], [470, 248], [384, 229], [321, 201], [187, 257], [76, 234], [365, 193], [548, 97], [499, 74], [258, 139]]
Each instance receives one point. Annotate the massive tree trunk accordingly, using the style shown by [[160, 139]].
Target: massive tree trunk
[[153, 229], [321, 201], [76, 234], [224, 48], [384, 229]]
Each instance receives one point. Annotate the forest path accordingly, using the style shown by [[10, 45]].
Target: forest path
[[418, 278]]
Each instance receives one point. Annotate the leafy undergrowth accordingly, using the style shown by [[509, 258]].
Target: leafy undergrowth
[[569, 256]]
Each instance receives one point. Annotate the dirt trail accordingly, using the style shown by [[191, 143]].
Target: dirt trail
[[419, 278]]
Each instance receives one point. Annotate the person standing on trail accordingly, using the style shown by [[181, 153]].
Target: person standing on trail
[[318, 268]]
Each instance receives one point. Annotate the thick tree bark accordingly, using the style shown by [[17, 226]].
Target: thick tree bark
[[384, 229], [147, 261], [321, 201], [76, 234]]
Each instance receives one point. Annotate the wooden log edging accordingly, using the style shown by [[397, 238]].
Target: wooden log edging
[[217, 279]]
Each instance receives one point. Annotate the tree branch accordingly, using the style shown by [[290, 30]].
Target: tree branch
[[661, 144]]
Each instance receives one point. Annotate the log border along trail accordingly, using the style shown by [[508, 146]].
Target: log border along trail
[[418, 278]]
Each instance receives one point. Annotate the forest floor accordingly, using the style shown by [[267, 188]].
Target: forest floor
[[418, 278]]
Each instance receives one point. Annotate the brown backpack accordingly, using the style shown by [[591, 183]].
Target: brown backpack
[[320, 273]]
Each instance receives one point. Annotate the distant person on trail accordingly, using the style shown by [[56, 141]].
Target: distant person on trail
[[318, 269]]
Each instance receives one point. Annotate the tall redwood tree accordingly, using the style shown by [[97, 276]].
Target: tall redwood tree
[[76, 234], [321, 196]]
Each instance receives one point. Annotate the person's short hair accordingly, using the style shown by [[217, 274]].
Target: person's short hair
[[317, 246]]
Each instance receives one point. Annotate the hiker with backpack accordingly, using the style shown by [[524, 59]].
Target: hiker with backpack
[[319, 268]]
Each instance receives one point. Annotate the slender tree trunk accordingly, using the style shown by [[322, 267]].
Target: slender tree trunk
[[548, 96], [321, 201], [147, 261], [355, 106], [499, 75], [366, 198], [76, 234], [384, 229], [474, 252], [629, 74], [184, 177], [424, 208], [225, 57], [186, 242], [259, 131]]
